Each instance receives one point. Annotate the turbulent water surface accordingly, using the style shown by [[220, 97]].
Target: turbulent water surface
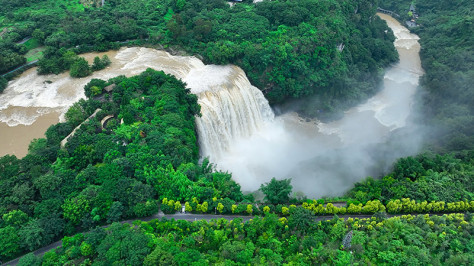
[[326, 159], [238, 130]]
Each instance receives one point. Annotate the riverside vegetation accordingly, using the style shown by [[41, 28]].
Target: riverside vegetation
[[121, 171], [288, 49], [447, 55], [126, 170]]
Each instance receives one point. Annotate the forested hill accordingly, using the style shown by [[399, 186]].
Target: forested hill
[[447, 55], [107, 172], [289, 49]]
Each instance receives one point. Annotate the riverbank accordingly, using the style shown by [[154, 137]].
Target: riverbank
[[31, 103]]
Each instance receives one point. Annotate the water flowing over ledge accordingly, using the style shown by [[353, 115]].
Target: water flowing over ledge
[[326, 159], [232, 107]]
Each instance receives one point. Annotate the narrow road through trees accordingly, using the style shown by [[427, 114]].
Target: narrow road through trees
[[197, 217]]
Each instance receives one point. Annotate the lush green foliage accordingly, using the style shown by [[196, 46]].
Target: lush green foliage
[[290, 49], [277, 191], [80, 68], [11, 55], [108, 172], [147, 152], [447, 54], [56, 61], [316, 207], [426, 177], [100, 63], [3, 84], [299, 240]]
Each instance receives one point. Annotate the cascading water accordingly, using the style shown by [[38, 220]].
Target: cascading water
[[231, 107], [327, 159]]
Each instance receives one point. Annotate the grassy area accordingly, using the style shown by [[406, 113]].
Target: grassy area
[[53, 4], [44, 7], [32, 44], [34, 54]]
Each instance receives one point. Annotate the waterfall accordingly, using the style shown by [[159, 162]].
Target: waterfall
[[231, 107]]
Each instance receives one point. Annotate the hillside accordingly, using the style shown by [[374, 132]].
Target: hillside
[[145, 157]]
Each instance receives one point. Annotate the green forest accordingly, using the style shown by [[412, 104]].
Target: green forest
[[298, 240], [288, 49], [135, 150]]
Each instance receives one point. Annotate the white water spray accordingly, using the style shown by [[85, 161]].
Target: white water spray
[[326, 159], [231, 108]]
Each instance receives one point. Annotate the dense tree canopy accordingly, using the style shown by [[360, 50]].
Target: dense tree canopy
[[412, 240], [289, 49], [277, 191], [426, 177], [146, 152]]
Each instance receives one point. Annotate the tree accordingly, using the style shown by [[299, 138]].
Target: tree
[[32, 235], [124, 245], [38, 35], [75, 209], [100, 63], [30, 260], [277, 191], [9, 242], [159, 256], [249, 209], [94, 87], [220, 207], [115, 212], [3, 84], [266, 209], [80, 68], [15, 218], [76, 114], [147, 208], [300, 220]]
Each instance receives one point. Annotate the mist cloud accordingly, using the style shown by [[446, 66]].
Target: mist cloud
[[327, 159]]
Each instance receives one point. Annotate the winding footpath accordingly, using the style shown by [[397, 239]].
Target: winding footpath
[[207, 217]]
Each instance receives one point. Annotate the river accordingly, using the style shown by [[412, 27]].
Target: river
[[327, 159], [238, 130]]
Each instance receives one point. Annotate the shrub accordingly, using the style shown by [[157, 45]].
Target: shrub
[[80, 68]]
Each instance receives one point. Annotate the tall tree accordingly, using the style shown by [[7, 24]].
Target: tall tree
[[277, 191]]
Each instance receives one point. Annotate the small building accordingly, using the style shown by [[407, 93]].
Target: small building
[[411, 24], [110, 88]]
